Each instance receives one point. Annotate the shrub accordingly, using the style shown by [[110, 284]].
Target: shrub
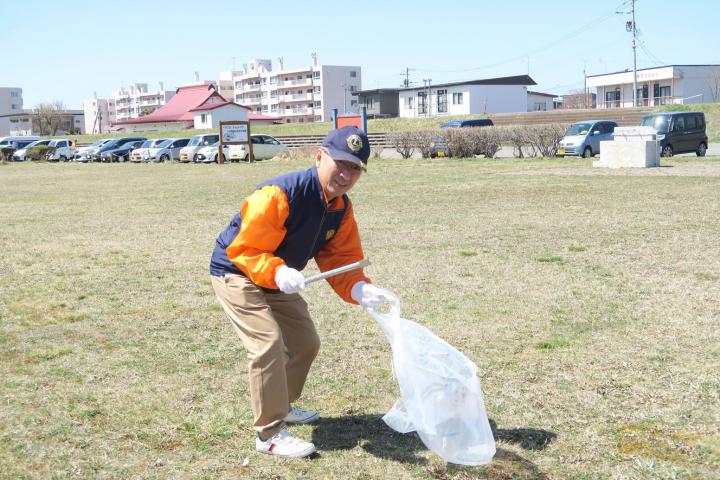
[[404, 143], [424, 140], [38, 153], [6, 154]]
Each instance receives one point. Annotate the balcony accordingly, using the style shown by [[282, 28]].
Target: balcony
[[255, 87], [295, 83], [295, 97], [296, 111], [249, 101]]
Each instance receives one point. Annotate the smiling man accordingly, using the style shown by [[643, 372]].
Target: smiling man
[[255, 269]]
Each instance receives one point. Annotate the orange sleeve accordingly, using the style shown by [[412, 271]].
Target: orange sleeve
[[262, 230], [344, 248]]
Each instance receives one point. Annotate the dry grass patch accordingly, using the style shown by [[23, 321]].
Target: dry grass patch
[[588, 301]]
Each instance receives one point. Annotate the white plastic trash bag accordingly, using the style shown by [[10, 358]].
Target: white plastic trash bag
[[441, 395]]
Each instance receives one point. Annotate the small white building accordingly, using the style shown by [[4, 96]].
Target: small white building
[[540, 102], [209, 114], [492, 95], [681, 84]]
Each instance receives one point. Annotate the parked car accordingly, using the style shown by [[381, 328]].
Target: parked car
[[114, 144], [264, 146], [167, 150], [121, 153], [17, 141], [85, 154], [21, 154], [142, 153], [439, 147], [583, 138], [679, 132], [187, 153], [471, 122], [209, 154], [63, 150]]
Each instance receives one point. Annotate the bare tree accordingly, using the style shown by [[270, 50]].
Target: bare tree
[[49, 117]]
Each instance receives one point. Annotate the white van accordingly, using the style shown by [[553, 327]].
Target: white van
[[18, 141]]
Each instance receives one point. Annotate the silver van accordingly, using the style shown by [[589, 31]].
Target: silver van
[[583, 138]]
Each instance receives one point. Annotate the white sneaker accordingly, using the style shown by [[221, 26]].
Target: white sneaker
[[301, 417], [284, 444]]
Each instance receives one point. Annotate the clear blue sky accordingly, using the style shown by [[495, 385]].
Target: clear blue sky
[[67, 50]]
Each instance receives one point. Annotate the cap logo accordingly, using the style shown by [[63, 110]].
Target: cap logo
[[355, 143]]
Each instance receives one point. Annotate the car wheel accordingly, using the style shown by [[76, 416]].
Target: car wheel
[[667, 151], [247, 157], [164, 158], [587, 152], [63, 158], [215, 160], [702, 150]]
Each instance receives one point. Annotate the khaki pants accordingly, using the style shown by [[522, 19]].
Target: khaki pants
[[281, 343]]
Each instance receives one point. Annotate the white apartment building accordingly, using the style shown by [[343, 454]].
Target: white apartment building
[[297, 95], [99, 114], [11, 105], [670, 84], [137, 100]]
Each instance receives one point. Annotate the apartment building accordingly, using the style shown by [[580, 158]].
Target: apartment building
[[99, 114], [11, 104], [297, 95], [137, 100]]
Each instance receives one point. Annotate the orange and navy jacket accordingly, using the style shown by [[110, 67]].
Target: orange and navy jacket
[[287, 220]]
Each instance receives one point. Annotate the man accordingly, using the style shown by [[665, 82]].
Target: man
[[255, 270]]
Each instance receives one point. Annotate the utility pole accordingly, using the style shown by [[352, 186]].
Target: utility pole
[[585, 90], [634, 34], [406, 82], [427, 81]]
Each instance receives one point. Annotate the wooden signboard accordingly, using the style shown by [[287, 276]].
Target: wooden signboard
[[235, 132]]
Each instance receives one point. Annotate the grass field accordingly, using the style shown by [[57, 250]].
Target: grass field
[[588, 299]]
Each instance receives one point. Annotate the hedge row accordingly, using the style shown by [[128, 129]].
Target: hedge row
[[526, 140]]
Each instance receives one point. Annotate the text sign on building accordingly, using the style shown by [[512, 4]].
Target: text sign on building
[[234, 133]]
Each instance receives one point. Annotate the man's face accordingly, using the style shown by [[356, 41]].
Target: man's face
[[337, 177]]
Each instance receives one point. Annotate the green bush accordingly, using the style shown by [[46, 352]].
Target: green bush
[[38, 153], [6, 154]]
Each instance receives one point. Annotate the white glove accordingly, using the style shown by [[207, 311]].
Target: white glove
[[368, 295], [289, 280]]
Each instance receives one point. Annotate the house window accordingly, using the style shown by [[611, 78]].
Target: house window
[[14, 107], [316, 89], [318, 118], [353, 103], [370, 102], [353, 88], [264, 108], [203, 118], [316, 74], [273, 80], [422, 104], [353, 74], [442, 101], [409, 103], [318, 104], [457, 98], [540, 107], [273, 93]]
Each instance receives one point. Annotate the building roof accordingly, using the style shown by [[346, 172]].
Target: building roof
[[179, 107], [514, 80], [257, 116], [653, 68], [541, 94], [214, 105], [376, 91]]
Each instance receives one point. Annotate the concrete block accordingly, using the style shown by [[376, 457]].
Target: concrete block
[[631, 147]]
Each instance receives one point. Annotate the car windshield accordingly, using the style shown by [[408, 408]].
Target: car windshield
[[147, 144], [658, 122], [164, 143], [451, 124], [194, 141], [578, 129]]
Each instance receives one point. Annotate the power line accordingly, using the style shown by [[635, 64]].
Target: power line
[[582, 29]]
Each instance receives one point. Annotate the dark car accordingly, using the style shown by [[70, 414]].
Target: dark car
[[472, 122], [679, 132], [113, 144], [122, 153]]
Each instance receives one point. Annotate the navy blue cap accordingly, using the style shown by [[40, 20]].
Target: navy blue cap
[[348, 143]]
